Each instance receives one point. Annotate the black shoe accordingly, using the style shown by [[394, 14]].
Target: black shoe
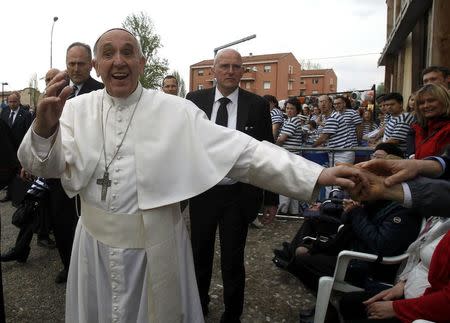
[[280, 263], [46, 243], [62, 276], [226, 319], [282, 254], [14, 255]]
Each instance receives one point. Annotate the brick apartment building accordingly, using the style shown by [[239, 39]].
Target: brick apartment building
[[275, 74], [317, 81]]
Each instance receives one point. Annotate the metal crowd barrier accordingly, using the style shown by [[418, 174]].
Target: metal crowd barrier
[[315, 151], [320, 155]]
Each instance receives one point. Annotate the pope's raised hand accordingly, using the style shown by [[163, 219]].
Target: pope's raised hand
[[51, 106]]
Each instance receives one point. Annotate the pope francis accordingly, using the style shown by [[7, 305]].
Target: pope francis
[[132, 155]]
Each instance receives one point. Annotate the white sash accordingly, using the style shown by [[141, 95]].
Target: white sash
[[153, 231]]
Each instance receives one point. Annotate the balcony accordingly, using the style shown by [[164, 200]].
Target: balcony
[[249, 76]]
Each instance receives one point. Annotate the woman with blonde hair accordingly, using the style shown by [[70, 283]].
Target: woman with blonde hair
[[432, 128]]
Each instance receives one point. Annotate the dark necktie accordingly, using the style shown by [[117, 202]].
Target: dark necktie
[[11, 118], [222, 113], [74, 92]]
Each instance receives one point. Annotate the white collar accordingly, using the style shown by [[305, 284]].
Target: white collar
[[131, 99], [233, 95]]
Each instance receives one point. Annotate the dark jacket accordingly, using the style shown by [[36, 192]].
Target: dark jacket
[[90, 85], [253, 118], [21, 123], [384, 228]]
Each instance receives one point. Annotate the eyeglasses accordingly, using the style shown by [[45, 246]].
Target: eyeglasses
[[227, 67]]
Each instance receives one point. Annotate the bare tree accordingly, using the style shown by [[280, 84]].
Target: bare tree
[[306, 64]]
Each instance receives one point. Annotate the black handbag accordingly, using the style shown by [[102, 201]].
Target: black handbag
[[29, 208], [24, 213]]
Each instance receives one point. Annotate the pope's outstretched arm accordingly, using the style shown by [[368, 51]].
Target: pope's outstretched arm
[[272, 168]]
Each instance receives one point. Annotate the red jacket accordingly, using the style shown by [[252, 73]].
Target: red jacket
[[434, 305], [431, 141]]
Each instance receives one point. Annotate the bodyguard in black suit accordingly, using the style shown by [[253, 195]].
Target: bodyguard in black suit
[[62, 208], [19, 120], [17, 117], [229, 205]]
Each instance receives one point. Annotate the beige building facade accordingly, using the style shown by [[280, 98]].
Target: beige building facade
[[418, 35]]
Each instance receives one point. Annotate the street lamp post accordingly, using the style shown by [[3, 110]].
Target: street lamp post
[[51, 40], [233, 43], [3, 91]]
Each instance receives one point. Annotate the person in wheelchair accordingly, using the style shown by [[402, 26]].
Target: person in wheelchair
[[381, 227]]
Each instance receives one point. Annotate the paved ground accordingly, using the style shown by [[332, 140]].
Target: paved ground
[[272, 295]]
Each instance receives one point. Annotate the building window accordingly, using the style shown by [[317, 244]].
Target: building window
[[302, 82], [331, 81], [290, 69], [200, 87], [315, 81], [302, 93], [290, 86], [247, 85], [266, 85], [267, 68], [200, 72], [315, 92]]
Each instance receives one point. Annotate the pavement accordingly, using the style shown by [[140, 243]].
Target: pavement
[[272, 295]]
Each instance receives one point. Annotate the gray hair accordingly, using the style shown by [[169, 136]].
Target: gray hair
[[138, 43]]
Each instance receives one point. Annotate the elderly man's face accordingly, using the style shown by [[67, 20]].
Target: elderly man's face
[[119, 63], [324, 104], [228, 71], [78, 64], [339, 105], [13, 102]]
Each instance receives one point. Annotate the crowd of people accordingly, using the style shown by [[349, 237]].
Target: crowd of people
[[118, 160], [386, 225]]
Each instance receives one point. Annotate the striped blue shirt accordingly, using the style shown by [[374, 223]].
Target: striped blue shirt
[[398, 128], [293, 129], [352, 119], [277, 116], [338, 130]]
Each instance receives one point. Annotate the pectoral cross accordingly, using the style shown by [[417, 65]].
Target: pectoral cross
[[105, 182]]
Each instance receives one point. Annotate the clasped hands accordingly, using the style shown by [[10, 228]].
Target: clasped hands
[[377, 179]]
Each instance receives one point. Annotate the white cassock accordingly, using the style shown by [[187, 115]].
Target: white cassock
[[131, 258]]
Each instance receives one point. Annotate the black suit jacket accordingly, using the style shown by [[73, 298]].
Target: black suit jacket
[[90, 85], [21, 123], [253, 118]]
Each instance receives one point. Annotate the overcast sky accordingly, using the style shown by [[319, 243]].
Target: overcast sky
[[190, 30]]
